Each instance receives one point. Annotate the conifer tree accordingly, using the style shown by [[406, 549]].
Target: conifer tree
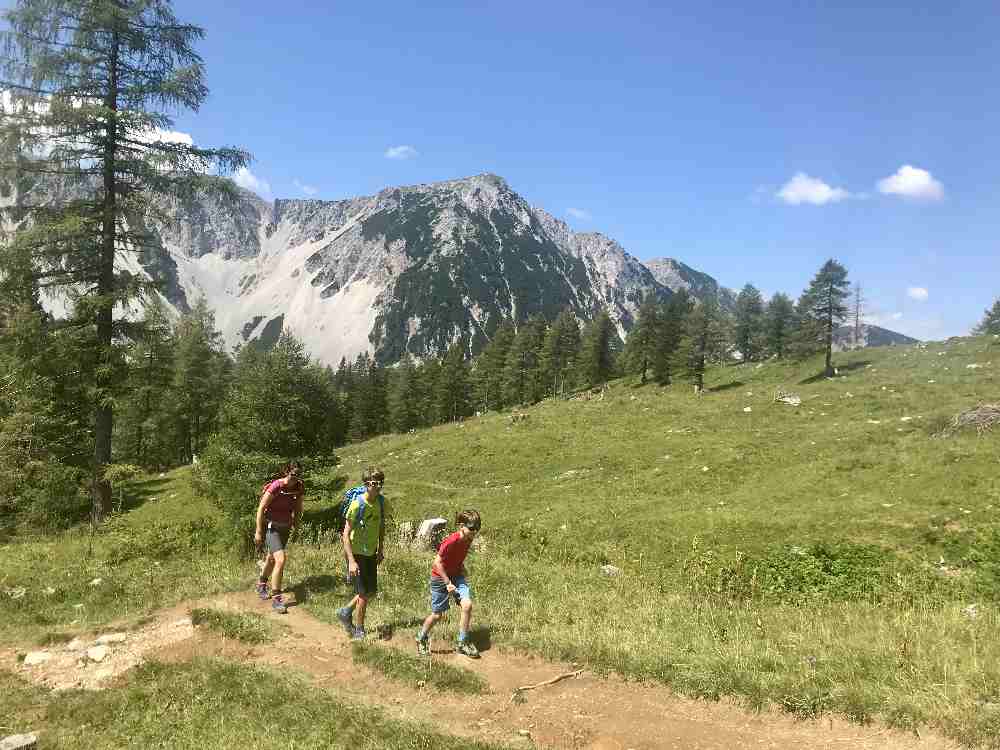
[[780, 324], [454, 391], [597, 351], [522, 372], [749, 324], [402, 398], [88, 85], [489, 369], [643, 340], [673, 315], [145, 423], [559, 352], [990, 324], [823, 307], [198, 383], [704, 340]]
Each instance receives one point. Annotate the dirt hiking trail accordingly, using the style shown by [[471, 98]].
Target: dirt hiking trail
[[584, 712]]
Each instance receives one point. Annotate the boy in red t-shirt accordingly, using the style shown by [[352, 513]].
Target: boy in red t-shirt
[[448, 580]]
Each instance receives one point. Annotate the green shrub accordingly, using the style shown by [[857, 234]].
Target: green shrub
[[45, 495]]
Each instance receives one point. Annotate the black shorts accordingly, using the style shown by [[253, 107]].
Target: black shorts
[[366, 581]]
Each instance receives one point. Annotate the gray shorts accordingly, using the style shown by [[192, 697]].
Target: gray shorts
[[277, 537]]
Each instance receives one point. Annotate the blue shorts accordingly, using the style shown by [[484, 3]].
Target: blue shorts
[[440, 601]]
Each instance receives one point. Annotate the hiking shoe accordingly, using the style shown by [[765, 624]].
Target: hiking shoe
[[347, 620], [278, 604], [358, 634], [262, 591], [468, 648], [423, 647]]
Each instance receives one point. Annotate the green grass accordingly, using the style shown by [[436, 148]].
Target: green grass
[[418, 671], [246, 627], [206, 704], [821, 563]]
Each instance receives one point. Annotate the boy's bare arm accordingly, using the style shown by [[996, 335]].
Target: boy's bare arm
[[352, 564]]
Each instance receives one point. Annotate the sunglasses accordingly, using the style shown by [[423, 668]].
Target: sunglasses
[[375, 483], [473, 529]]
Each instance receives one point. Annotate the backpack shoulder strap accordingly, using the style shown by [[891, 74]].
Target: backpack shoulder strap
[[359, 517]]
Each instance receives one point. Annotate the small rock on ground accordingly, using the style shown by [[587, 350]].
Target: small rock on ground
[[19, 742], [97, 653], [36, 657]]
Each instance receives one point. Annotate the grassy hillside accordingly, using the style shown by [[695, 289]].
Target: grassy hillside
[[836, 556], [817, 557]]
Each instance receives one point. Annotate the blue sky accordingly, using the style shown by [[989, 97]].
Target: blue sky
[[751, 141]]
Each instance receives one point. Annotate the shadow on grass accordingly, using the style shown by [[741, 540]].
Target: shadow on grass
[[840, 370], [388, 629], [726, 386], [315, 584], [138, 494]]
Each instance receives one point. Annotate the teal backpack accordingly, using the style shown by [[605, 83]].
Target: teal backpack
[[356, 493]]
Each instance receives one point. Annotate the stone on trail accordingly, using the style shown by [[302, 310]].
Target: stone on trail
[[111, 638], [97, 653], [610, 570], [19, 742], [35, 658], [75, 645]]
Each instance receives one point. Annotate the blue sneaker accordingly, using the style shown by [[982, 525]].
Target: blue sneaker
[[346, 618], [358, 634], [261, 591], [278, 604]]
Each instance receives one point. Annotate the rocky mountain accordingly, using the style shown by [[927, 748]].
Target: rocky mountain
[[407, 271], [676, 276], [844, 338]]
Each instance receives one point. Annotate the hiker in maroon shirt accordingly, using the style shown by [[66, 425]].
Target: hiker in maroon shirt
[[281, 506], [448, 580]]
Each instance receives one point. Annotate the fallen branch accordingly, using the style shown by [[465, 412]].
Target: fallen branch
[[553, 681]]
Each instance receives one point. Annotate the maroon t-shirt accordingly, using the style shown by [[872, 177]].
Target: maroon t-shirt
[[453, 551], [283, 501]]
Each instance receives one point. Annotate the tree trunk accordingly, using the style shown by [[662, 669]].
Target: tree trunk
[[103, 418]]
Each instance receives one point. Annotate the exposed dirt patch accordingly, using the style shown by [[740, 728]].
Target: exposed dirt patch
[[583, 712]]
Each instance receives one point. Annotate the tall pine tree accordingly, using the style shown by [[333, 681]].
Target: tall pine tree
[[749, 324], [823, 307], [88, 85], [643, 340], [779, 325], [596, 363]]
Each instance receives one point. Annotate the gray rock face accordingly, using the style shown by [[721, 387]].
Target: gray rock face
[[846, 338], [407, 271]]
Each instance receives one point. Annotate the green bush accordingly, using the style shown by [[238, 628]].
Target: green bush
[[45, 495]]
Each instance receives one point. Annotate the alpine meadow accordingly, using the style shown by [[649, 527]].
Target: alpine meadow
[[695, 515]]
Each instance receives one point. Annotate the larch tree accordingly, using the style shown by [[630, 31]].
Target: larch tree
[[823, 306], [85, 144], [749, 326]]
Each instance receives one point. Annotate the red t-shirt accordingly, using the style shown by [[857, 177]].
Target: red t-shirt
[[453, 551], [283, 500]]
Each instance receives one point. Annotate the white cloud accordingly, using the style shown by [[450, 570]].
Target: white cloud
[[307, 189], [897, 316], [805, 189], [912, 182], [578, 213], [167, 136], [918, 293], [401, 152], [247, 179]]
